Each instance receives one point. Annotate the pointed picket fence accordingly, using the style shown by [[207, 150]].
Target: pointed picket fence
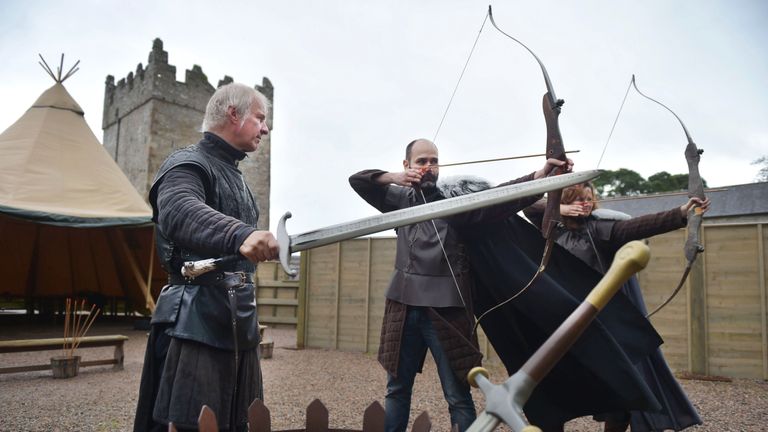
[[317, 420]]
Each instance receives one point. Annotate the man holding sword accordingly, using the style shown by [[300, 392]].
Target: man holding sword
[[202, 348]]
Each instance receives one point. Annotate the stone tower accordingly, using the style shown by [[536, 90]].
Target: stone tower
[[149, 114]]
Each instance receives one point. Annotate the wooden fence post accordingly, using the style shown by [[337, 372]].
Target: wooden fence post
[[303, 298], [422, 423], [207, 420], [317, 417], [373, 418], [697, 308], [338, 296], [763, 296], [367, 295], [258, 417]]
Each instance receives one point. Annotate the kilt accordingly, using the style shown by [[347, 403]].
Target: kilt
[[193, 375]]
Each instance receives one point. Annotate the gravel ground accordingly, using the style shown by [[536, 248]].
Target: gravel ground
[[100, 399]]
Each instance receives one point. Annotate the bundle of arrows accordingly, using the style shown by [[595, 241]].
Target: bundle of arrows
[[76, 325]]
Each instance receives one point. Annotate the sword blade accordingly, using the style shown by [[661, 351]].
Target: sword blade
[[408, 216]]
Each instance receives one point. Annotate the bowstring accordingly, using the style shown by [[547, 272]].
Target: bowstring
[[445, 254], [616, 120], [434, 138], [456, 88]]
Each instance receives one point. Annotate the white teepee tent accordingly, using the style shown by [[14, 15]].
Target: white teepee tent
[[71, 223]]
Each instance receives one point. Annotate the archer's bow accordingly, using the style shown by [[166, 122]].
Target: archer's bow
[[551, 106], [693, 246]]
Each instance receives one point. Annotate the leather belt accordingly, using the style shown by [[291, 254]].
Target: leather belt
[[210, 278]]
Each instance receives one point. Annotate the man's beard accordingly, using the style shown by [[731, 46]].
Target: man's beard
[[428, 180]]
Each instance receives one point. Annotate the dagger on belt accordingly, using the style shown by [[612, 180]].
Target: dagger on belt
[[335, 233]]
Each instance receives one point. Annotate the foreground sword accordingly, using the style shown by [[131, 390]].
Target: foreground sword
[[407, 216], [504, 402]]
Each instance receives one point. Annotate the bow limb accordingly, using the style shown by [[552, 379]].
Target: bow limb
[[693, 246], [551, 106]]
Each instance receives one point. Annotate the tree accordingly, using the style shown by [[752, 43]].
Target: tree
[[666, 182], [762, 175], [625, 182], [620, 182]]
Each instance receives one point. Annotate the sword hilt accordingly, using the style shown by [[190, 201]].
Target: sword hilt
[[193, 269], [284, 242]]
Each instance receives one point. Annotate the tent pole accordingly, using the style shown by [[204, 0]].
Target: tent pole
[[135, 270]]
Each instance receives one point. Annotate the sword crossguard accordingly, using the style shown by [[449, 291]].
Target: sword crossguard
[[284, 242], [503, 402]]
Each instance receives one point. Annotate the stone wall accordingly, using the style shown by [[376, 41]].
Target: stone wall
[[148, 114]]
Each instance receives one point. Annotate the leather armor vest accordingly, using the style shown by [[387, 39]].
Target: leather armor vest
[[226, 192], [422, 276], [202, 312]]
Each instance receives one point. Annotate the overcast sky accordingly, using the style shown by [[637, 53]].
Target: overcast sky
[[357, 80]]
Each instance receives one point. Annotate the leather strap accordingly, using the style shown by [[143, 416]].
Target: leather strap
[[211, 278]]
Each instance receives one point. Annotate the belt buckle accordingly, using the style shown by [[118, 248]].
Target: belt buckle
[[241, 275]]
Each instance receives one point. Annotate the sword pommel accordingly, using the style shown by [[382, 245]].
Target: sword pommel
[[193, 269]]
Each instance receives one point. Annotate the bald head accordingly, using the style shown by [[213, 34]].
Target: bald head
[[422, 154], [420, 144]]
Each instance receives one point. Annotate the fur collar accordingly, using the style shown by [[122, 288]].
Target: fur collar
[[608, 214], [461, 185]]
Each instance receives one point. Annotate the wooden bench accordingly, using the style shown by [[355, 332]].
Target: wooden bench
[[24, 345]]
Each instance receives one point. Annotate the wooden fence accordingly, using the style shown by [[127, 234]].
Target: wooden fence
[[276, 296], [717, 325], [342, 295], [316, 420]]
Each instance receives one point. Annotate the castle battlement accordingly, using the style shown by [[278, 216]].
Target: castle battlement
[[156, 82]]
